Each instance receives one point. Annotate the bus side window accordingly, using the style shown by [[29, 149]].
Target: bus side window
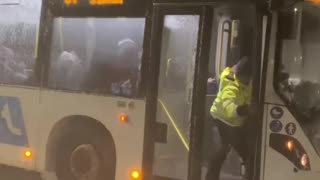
[[103, 56], [18, 31]]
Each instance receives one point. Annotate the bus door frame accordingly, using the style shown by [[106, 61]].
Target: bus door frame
[[205, 10], [199, 91]]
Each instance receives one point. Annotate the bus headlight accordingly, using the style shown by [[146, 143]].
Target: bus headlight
[[292, 149], [304, 161], [290, 146]]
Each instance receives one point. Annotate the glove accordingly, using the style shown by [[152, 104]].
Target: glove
[[243, 110]]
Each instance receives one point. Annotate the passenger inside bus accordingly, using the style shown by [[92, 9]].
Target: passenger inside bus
[[119, 75], [11, 69], [68, 70]]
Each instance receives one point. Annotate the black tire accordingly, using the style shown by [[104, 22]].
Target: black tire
[[102, 143]]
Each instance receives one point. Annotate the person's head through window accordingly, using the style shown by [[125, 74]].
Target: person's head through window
[[243, 70], [128, 54]]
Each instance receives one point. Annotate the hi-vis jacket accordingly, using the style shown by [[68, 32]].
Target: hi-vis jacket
[[232, 93]]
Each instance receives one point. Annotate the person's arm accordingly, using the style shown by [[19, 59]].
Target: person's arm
[[230, 107]]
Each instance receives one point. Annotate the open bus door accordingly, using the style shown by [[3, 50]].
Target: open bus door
[[188, 41], [177, 33]]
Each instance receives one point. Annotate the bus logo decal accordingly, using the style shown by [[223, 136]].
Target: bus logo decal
[[12, 126]]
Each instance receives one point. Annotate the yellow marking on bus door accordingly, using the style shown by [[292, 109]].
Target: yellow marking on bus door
[[184, 142]]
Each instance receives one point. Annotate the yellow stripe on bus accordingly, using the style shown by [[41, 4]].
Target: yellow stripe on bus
[[184, 142]]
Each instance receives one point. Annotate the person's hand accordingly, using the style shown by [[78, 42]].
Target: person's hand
[[243, 110]]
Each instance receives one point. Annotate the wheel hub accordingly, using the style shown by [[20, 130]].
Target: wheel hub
[[84, 162]]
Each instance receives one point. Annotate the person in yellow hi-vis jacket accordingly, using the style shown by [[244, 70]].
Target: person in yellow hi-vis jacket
[[230, 110]]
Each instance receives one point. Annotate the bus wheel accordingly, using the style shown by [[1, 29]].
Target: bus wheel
[[84, 155]]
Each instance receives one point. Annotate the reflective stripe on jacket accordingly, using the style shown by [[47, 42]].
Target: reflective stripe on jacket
[[232, 93]]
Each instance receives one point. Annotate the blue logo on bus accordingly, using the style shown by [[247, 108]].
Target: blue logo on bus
[[12, 127]]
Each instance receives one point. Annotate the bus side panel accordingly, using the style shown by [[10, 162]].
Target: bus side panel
[[19, 125]]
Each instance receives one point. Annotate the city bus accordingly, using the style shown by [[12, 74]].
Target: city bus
[[121, 89]]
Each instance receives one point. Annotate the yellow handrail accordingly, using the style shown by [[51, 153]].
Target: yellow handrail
[[183, 140]]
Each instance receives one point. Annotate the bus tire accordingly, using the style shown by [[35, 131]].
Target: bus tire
[[85, 153]]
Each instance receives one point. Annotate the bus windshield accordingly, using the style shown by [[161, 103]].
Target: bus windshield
[[298, 75]]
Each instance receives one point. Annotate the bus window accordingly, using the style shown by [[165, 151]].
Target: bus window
[[18, 31], [98, 55], [298, 78]]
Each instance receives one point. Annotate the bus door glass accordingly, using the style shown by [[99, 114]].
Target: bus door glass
[[178, 29]]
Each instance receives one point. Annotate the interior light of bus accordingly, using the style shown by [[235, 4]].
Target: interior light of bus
[[290, 145], [304, 160], [105, 2], [27, 154], [135, 175], [123, 118], [295, 9]]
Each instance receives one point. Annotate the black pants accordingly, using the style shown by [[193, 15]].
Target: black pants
[[231, 137]]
